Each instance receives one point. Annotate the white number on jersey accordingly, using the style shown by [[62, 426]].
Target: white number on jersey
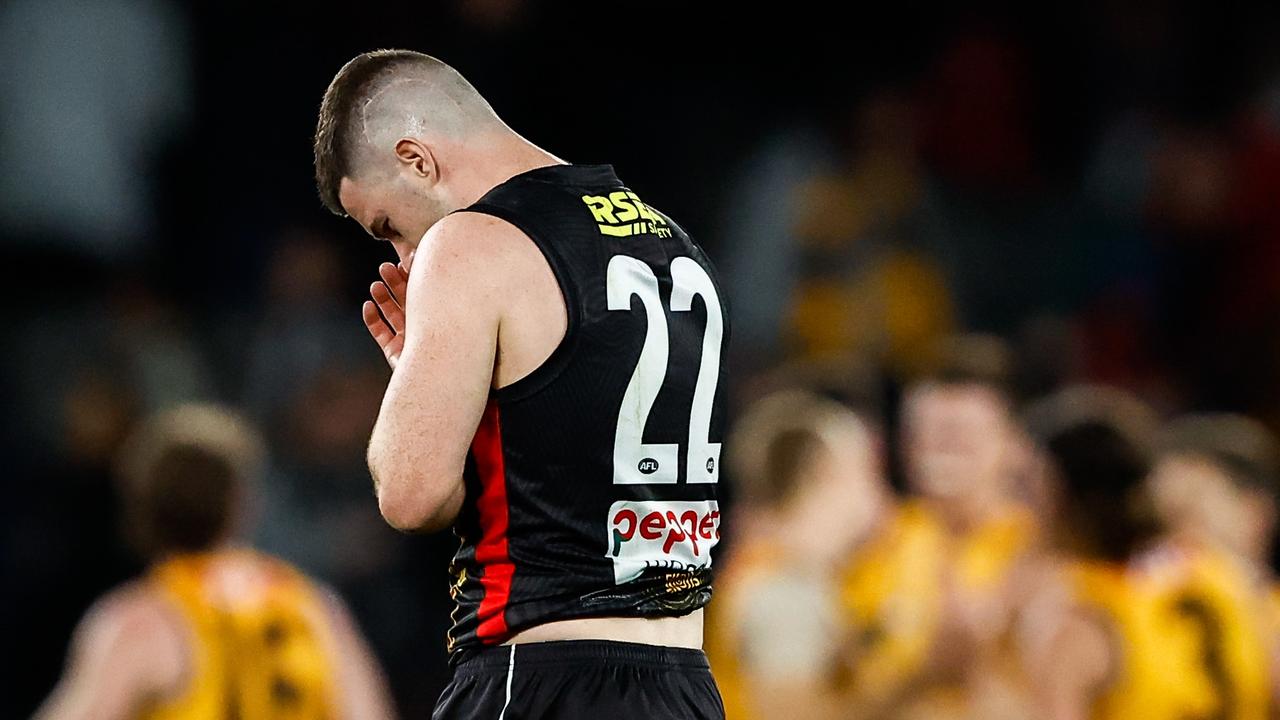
[[634, 461]]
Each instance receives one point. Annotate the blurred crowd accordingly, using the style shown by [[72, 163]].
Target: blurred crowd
[[1073, 556], [1071, 516], [932, 517]]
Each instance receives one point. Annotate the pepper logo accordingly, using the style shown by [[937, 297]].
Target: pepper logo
[[663, 534], [622, 214]]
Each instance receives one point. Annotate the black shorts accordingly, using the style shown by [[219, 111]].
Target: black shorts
[[581, 679]]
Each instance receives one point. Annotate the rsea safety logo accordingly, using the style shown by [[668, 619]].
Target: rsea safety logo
[[667, 535], [621, 214]]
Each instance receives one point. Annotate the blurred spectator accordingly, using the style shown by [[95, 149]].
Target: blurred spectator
[[212, 627], [762, 266], [1214, 487], [1103, 515], [1213, 491], [959, 428], [866, 284], [1092, 642], [936, 593], [812, 491]]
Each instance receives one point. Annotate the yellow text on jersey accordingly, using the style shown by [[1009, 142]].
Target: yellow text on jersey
[[622, 214]]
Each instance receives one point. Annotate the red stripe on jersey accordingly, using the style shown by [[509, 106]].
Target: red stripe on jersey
[[491, 551]]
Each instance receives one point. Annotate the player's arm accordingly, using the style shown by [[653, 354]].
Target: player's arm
[[1075, 667], [362, 688], [125, 650], [442, 376]]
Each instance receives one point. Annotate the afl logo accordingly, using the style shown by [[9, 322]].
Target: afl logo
[[711, 465], [648, 466]]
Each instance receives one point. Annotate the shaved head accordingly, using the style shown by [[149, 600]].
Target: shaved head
[[380, 97]]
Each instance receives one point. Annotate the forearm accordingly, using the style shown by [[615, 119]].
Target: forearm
[[414, 492]]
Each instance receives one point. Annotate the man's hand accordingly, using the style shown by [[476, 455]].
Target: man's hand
[[384, 315]]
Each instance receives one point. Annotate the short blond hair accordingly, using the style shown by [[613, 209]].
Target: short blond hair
[[780, 435], [183, 473]]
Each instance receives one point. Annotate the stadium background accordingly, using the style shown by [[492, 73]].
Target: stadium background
[[1099, 185]]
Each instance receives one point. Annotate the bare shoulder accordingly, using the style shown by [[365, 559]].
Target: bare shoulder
[[486, 267], [470, 225], [126, 649], [134, 628], [133, 612], [477, 240]]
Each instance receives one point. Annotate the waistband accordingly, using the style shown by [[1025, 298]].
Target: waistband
[[561, 652]]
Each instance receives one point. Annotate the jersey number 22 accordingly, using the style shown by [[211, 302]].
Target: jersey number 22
[[635, 461]]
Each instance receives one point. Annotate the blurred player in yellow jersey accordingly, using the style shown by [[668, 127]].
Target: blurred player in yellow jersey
[[933, 595], [812, 490], [1212, 491], [1097, 644], [213, 630]]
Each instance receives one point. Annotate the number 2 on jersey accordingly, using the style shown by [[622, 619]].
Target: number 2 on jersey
[[635, 461], [1199, 611]]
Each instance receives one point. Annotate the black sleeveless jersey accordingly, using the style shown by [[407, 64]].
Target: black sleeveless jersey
[[591, 483]]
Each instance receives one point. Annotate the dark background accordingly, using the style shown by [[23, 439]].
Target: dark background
[[1099, 183]]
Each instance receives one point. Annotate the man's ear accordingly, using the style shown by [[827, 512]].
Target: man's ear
[[418, 157]]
